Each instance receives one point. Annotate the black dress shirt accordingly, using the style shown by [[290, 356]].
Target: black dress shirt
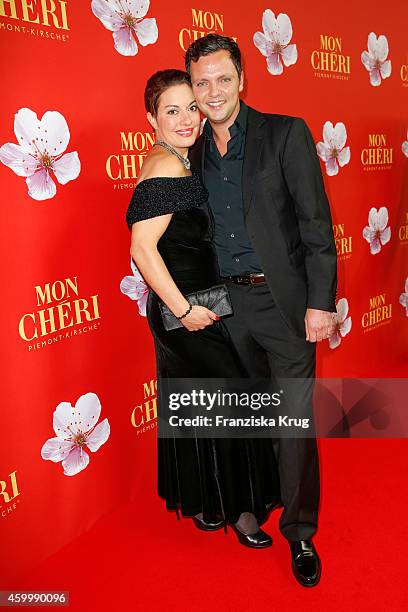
[[223, 179]]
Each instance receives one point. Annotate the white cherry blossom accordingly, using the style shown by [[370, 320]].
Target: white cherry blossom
[[76, 430], [332, 150], [405, 146], [39, 152], [124, 18], [342, 323], [375, 59], [403, 299], [136, 288], [376, 232], [274, 41]]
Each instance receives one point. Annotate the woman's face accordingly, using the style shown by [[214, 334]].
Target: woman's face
[[178, 119]]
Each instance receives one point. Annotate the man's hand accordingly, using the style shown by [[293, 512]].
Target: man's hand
[[319, 324]]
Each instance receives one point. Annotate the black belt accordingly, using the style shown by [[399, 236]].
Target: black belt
[[246, 279]]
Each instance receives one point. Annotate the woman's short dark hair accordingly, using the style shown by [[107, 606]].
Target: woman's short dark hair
[[211, 44], [159, 82]]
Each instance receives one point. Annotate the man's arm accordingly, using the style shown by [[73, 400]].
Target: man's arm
[[305, 183]]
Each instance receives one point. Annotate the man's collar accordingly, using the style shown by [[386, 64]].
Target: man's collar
[[240, 122]]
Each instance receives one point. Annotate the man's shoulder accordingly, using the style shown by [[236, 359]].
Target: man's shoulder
[[276, 120]]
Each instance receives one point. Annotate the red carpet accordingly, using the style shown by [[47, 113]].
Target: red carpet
[[129, 561]]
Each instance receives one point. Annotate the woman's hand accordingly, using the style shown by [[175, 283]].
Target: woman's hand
[[198, 318]]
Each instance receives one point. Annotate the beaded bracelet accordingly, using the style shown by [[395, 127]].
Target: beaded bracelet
[[186, 313]]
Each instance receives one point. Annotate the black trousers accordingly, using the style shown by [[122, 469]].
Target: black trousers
[[268, 347]]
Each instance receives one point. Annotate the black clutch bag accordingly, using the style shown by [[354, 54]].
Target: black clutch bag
[[215, 298]]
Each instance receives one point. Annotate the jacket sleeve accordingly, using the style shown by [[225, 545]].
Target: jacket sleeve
[[304, 180]]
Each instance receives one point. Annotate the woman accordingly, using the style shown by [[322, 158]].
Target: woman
[[213, 481]]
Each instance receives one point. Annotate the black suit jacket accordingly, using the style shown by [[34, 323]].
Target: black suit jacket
[[287, 214]]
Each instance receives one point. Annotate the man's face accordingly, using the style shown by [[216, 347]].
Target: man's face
[[216, 86]]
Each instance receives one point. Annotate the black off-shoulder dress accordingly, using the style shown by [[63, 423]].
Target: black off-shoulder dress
[[218, 477]]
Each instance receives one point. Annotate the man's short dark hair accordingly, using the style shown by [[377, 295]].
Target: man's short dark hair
[[211, 44]]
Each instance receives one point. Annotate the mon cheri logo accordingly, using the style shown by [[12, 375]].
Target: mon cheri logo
[[9, 494], [403, 230], [379, 313], [126, 20], [144, 415], [61, 314], [329, 60], [24, 16], [378, 155], [120, 167], [343, 241], [77, 430], [202, 23], [39, 152]]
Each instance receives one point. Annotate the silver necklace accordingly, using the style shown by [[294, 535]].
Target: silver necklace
[[170, 149]]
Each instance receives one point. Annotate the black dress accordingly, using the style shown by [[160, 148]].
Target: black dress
[[219, 477]]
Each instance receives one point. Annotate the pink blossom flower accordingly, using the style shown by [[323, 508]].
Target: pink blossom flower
[[38, 153], [376, 232], [403, 299], [405, 146], [375, 59], [124, 18], [342, 323], [273, 43], [136, 288], [332, 151], [76, 429]]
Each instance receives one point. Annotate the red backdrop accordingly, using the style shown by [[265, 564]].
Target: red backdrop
[[65, 256]]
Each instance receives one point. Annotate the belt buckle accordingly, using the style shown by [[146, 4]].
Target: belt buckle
[[242, 280]]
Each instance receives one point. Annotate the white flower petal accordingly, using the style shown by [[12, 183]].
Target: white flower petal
[[135, 270], [385, 69], [373, 218], [26, 128], [125, 43], [98, 436], [375, 246], [41, 186], [382, 218], [132, 287], [63, 420], [283, 29], [343, 156], [405, 148], [67, 168], [367, 60], [76, 461], [147, 32], [372, 44], [289, 55], [142, 302], [328, 134], [332, 167], [340, 135], [268, 23], [375, 77], [403, 300], [368, 233], [406, 285], [105, 10], [260, 41], [342, 309], [334, 340], [53, 135], [56, 449], [274, 64], [382, 48], [87, 411], [18, 159], [345, 327], [385, 236], [323, 151], [138, 8]]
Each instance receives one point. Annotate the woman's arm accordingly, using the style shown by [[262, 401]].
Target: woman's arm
[[145, 236]]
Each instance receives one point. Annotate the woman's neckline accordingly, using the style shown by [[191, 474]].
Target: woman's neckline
[[161, 178]]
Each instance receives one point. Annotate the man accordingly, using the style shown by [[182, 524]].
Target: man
[[274, 240]]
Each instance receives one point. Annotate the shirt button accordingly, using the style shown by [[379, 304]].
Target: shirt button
[[237, 259], [232, 235], [228, 206], [225, 178]]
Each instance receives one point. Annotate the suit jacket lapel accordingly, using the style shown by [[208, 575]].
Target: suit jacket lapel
[[253, 148]]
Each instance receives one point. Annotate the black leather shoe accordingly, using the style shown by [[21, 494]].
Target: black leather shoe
[[306, 564], [213, 526], [260, 539]]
